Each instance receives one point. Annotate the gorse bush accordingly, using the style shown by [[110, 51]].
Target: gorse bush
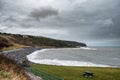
[[4, 42]]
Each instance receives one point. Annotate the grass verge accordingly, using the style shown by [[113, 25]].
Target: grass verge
[[76, 73]]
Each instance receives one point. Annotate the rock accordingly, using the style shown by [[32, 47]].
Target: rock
[[88, 74]]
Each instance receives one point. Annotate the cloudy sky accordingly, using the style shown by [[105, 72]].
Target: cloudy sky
[[95, 22]]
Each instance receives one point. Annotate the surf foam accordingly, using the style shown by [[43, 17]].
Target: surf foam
[[32, 58], [66, 63], [87, 48]]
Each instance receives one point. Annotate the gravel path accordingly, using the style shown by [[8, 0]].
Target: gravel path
[[19, 54], [33, 77]]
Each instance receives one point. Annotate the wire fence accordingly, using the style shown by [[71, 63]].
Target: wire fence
[[43, 75]]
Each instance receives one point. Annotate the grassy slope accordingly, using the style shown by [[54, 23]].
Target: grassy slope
[[15, 46], [13, 41], [76, 73], [9, 70], [7, 43]]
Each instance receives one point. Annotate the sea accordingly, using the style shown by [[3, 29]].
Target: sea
[[84, 56]]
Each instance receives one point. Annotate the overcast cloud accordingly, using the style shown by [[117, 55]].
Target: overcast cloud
[[43, 12], [95, 22]]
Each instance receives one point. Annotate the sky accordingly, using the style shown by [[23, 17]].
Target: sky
[[94, 22]]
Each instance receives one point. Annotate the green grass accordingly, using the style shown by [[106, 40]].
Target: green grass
[[42, 74], [76, 73], [4, 74]]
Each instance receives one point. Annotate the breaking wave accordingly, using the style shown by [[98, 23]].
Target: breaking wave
[[87, 48], [32, 58], [66, 63]]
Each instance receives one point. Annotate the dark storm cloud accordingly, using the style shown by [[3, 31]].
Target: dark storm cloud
[[111, 31], [43, 12]]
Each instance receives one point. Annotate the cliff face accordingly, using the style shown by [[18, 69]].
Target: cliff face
[[76, 44], [38, 41]]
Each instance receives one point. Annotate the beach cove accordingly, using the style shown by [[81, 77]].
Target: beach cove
[[67, 72], [94, 57], [70, 71]]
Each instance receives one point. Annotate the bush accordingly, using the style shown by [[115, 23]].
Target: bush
[[4, 42]]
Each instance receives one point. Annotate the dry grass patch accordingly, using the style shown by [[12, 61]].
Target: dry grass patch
[[10, 70]]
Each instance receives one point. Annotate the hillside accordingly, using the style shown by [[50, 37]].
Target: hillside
[[17, 40], [10, 70]]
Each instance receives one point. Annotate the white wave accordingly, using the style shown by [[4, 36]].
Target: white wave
[[87, 48], [34, 54], [83, 48], [66, 63], [32, 58]]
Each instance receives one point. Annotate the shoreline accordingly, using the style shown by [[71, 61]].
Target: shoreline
[[20, 55], [54, 61]]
